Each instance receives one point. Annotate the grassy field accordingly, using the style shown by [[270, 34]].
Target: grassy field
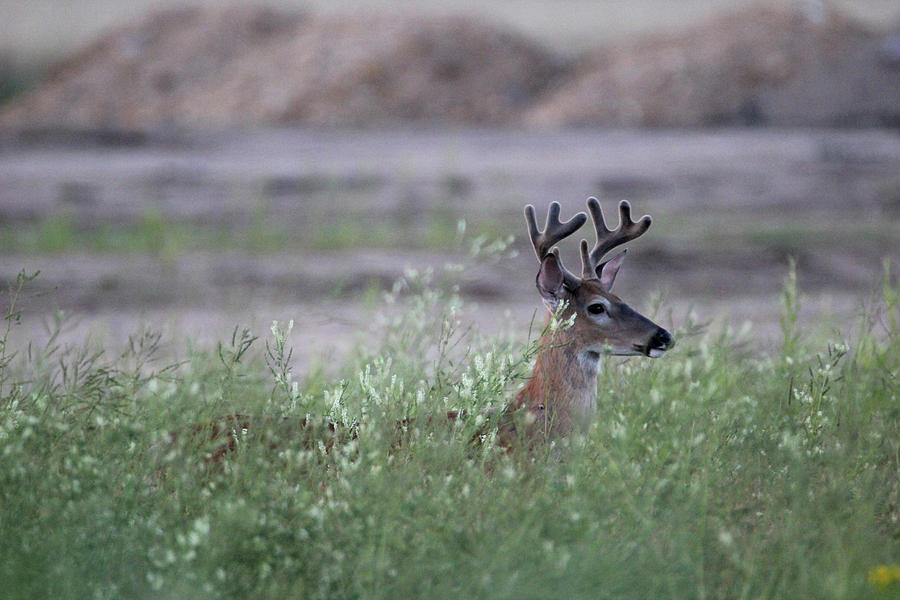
[[713, 472]]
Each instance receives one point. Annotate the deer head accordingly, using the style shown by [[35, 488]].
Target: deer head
[[603, 323], [562, 390]]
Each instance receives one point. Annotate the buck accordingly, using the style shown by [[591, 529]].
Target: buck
[[561, 395]]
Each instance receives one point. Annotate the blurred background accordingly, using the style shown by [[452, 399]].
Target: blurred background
[[196, 167]]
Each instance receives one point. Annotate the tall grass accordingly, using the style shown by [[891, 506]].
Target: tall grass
[[714, 472]]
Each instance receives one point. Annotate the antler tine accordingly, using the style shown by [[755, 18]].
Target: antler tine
[[554, 231], [587, 271], [608, 239]]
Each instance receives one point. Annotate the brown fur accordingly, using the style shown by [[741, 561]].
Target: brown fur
[[561, 394]]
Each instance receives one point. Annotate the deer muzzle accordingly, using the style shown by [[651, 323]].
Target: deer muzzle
[[659, 342]]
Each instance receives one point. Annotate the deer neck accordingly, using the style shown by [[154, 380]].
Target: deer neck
[[562, 392]]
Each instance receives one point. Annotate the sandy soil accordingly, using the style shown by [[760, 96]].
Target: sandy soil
[[38, 30], [793, 65]]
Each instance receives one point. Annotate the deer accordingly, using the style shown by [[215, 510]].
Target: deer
[[560, 397], [561, 394]]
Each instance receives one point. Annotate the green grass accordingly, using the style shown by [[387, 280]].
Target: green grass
[[166, 238], [16, 81], [713, 472], [718, 231]]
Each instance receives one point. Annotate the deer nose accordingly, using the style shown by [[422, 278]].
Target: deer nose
[[661, 340]]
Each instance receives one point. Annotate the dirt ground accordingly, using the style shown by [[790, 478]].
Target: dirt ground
[[38, 30], [785, 65], [729, 208]]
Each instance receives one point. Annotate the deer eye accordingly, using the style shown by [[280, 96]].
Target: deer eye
[[596, 309]]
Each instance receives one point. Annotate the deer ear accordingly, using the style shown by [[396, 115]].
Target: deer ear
[[550, 281], [608, 270]]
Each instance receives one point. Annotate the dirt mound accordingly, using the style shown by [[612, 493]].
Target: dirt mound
[[215, 67], [798, 65]]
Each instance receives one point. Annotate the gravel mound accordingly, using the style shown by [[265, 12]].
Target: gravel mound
[[790, 65], [207, 67], [238, 66]]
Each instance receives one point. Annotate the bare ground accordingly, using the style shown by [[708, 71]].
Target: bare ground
[[729, 207], [785, 64]]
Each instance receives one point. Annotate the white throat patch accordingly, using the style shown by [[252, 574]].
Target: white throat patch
[[590, 361]]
